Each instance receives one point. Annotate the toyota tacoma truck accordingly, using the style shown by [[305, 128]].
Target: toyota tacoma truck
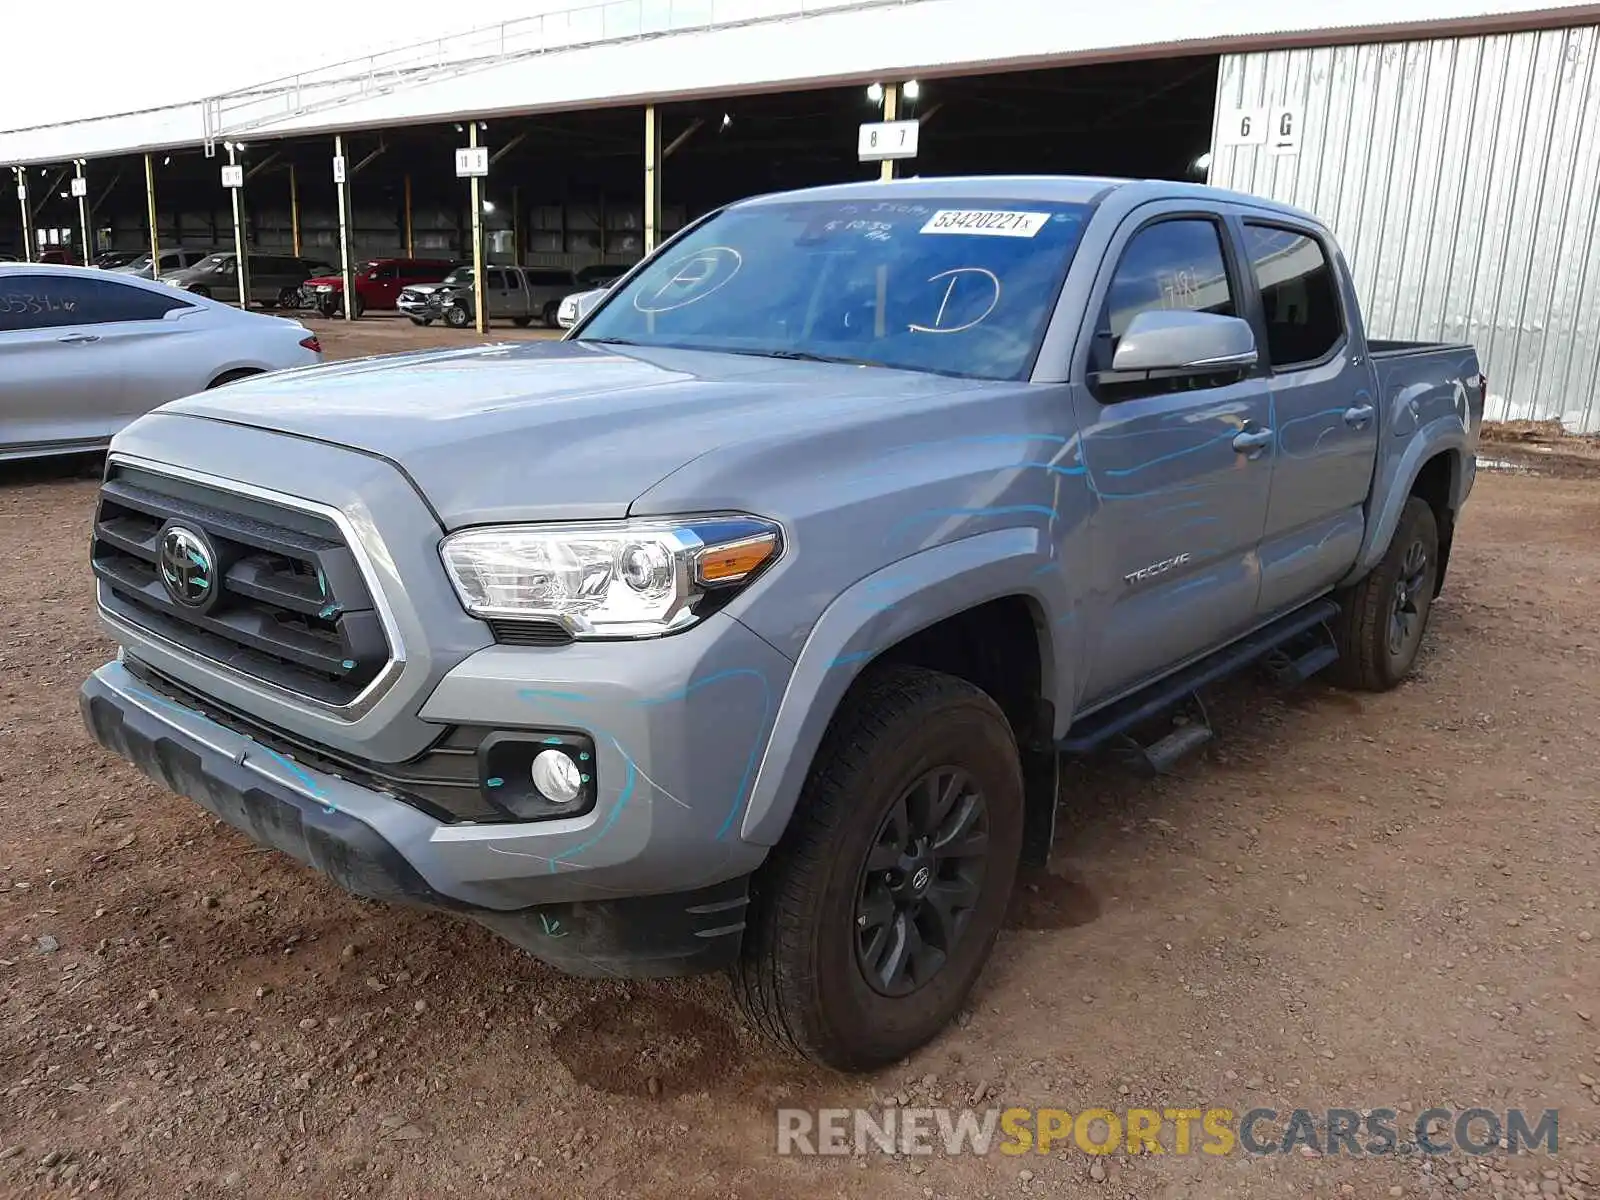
[[744, 628]]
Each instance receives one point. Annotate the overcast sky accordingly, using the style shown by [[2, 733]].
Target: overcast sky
[[97, 57]]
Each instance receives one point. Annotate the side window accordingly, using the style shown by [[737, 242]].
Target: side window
[[1298, 294], [496, 279], [52, 301], [386, 272], [1174, 264]]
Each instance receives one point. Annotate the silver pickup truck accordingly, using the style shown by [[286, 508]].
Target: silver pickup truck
[[521, 295], [745, 627]]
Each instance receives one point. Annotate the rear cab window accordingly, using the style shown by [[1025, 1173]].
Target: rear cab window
[[954, 285], [1299, 294]]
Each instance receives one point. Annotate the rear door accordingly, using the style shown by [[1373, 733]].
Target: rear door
[[1324, 411], [1179, 508]]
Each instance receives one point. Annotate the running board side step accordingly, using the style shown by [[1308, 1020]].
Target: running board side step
[[1181, 688]]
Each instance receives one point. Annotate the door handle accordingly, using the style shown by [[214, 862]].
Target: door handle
[[1252, 442], [1358, 416], [77, 338]]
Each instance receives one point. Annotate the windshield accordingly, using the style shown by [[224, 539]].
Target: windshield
[[215, 262], [955, 286], [461, 275]]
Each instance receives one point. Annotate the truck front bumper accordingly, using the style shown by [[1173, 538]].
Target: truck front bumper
[[614, 914]]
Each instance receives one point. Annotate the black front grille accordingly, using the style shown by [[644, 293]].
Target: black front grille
[[291, 607], [442, 781]]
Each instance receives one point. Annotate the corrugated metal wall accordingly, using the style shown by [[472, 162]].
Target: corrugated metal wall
[[1462, 177]]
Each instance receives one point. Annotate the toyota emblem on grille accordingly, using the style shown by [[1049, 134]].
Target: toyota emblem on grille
[[188, 566]]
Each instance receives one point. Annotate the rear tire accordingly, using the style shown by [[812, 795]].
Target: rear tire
[[522, 322], [289, 298], [1383, 618], [421, 320], [914, 759], [201, 291], [551, 312], [231, 377]]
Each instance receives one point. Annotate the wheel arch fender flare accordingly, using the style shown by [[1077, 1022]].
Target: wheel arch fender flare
[[874, 614], [1395, 480]]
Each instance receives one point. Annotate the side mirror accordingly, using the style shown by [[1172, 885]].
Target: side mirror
[[1178, 342]]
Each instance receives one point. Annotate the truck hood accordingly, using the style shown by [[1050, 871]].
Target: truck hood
[[427, 289], [333, 279], [555, 430]]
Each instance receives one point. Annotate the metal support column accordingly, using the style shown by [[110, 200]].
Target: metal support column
[[83, 215], [21, 175], [891, 112], [480, 298], [411, 251], [294, 209], [345, 276], [652, 177], [241, 264], [150, 202]]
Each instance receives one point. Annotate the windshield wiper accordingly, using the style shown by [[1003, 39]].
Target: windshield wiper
[[610, 341], [806, 356]]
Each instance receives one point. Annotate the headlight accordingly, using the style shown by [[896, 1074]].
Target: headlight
[[625, 579], [324, 287]]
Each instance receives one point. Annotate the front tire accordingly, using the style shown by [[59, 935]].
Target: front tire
[[873, 918], [421, 320], [457, 317], [1382, 619]]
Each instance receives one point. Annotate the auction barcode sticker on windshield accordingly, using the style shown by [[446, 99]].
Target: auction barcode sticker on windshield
[[986, 223]]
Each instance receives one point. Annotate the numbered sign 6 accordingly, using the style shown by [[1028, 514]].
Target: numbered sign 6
[[1243, 127]]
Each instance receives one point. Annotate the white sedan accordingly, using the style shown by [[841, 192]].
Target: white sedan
[[82, 353]]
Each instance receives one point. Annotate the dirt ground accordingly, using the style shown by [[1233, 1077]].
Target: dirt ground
[[1361, 902]]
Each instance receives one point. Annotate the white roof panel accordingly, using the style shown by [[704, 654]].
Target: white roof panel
[[630, 51]]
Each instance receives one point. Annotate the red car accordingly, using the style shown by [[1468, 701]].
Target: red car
[[378, 283]]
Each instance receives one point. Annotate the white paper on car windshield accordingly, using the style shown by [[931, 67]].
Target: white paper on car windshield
[[986, 222]]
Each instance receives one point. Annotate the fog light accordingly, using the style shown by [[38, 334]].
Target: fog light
[[557, 777]]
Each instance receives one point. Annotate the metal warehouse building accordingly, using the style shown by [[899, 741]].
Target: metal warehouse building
[[1453, 145]]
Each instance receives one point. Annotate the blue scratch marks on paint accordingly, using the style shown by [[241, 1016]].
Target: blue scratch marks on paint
[[322, 583], [552, 925], [301, 774], [740, 793], [844, 660], [999, 510], [328, 611], [1048, 568], [611, 817], [1120, 472], [1053, 468], [349, 664], [543, 694], [1068, 619], [552, 741], [755, 745], [1190, 586], [494, 782]]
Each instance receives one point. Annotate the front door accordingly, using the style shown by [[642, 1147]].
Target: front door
[[61, 389], [1180, 469], [1325, 414]]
